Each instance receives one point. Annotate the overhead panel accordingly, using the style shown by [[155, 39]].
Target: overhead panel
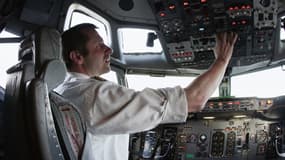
[[189, 26]]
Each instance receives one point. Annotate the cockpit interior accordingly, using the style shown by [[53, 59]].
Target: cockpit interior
[[157, 38]]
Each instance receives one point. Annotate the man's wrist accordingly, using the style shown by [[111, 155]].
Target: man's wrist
[[222, 60]]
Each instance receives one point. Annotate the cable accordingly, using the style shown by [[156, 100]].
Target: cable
[[277, 150], [169, 146]]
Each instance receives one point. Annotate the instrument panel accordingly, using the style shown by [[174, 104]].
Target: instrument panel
[[227, 128], [188, 28], [239, 104]]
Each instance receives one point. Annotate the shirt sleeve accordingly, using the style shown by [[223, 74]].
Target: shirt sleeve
[[118, 110]]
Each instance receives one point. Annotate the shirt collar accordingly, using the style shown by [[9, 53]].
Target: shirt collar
[[77, 75]]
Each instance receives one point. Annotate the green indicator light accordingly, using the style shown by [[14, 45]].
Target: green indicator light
[[189, 156]]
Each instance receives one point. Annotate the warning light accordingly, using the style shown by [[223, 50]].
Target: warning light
[[209, 118], [186, 4], [203, 1], [211, 105], [230, 103], [269, 102], [237, 102], [171, 7], [240, 116], [174, 55], [181, 147], [162, 14], [201, 29], [189, 53], [220, 104], [228, 129]]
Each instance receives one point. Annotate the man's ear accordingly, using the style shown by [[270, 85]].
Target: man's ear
[[76, 57]]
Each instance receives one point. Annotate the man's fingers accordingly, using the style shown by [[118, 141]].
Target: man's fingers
[[218, 37], [235, 38], [229, 37], [221, 38], [232, 37], [226, 37]]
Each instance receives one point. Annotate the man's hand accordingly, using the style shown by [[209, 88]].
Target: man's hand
[[224, 46], [199, 91]]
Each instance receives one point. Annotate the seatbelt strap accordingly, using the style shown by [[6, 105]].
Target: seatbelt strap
[[63, 134]]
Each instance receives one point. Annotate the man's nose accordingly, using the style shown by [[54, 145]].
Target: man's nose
[[108, 50]]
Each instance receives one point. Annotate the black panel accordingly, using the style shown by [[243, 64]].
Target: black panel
[[240, 130], [189, 26]]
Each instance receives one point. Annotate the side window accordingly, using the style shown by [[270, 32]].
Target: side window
[[79, 17], [110, 76], [282, 32], [8, 56], [137, 44], [103, 29]]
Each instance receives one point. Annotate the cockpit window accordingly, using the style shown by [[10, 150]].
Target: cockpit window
[[78, 14], [282, 34], [110, 76], [282, 30], [267, 83], [8, 56], [134, 40], [6, 34], [84, 15], [78, 18], [139, 82]]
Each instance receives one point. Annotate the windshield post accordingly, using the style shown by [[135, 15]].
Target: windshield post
[[225, 85]]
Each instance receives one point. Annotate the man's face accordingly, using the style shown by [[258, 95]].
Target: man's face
[[97, 61]]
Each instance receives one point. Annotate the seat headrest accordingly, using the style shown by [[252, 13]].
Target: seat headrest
[[53, 73], [25, 52], [47, 46], [48, 62]]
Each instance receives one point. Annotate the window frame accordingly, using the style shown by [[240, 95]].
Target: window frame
[[121, 39], [75, 7]]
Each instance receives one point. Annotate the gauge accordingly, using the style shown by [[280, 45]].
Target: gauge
[[192, 138], [261, 136]]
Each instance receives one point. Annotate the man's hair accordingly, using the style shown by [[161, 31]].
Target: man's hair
[[75, 39]]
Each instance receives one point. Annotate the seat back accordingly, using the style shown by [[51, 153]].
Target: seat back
[[40, 123], [34, 114], [50, 107], [14, 118]]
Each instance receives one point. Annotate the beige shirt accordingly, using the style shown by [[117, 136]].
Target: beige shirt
[[111, 112]]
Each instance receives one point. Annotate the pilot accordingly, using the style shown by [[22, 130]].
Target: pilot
[[110, 111]]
